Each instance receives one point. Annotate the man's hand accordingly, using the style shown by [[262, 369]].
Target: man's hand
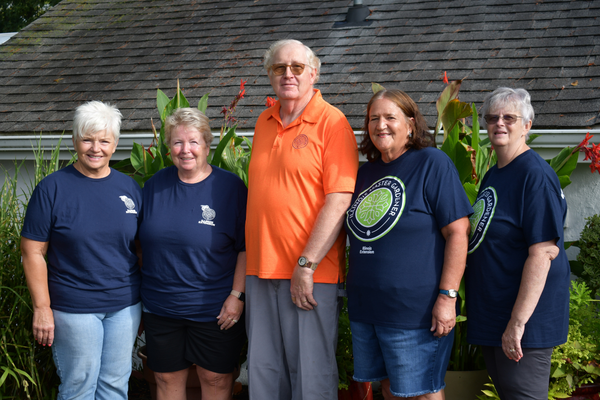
[[301, 288]]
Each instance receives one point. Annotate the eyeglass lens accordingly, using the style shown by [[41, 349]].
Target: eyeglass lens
[[279, 69], [508, 119]]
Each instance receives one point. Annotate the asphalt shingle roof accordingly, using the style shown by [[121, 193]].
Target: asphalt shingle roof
[[123, 50]]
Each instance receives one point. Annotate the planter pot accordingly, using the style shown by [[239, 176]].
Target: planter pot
[[586, 392], [356, 391], [465, 385]]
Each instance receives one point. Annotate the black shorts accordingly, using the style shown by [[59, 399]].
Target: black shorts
[[176, 344]]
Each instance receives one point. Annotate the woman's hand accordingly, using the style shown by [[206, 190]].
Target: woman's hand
[[443, 316], [43, 326], [230, 312], [511, 340]]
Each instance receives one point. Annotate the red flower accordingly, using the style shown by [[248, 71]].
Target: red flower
[[270, 102], [445, 78], [592, 152], [242, 83], [585, 142]]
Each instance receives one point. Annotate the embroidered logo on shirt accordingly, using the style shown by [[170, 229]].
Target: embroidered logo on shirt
[[208, 214], [129, 204], [300, 141], [377, 210], [480, 220]]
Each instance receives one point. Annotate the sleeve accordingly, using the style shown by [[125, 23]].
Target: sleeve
[[444, 193], [38, 217], [543, 211], [340, 159]]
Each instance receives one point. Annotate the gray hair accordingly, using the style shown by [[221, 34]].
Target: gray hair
[[96, 116], [312, 58], [191, 117], [507, 97]]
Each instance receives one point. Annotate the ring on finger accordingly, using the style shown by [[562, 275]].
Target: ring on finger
[[235, 321], [512, 350]]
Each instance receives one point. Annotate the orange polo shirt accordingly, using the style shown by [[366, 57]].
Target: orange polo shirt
[[291, 172]]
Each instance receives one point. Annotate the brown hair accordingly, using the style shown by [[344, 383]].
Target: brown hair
[[421, 137]]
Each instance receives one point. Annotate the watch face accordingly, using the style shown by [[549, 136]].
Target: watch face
[[302, 261]]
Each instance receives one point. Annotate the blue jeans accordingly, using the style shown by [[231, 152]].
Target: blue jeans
[[414, 360], [92, 353]]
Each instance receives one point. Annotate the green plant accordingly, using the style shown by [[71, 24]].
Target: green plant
[[589, 253], [26, 369], [343, 354], [490, 393]]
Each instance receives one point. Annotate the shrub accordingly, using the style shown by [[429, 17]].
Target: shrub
[[589, 254], [26, 369]]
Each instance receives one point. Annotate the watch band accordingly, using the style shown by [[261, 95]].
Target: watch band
[[240, 295], [304, 263], [450, 293]]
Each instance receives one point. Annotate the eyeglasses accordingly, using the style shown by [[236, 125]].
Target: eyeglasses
[[296, 68], [508, 119]]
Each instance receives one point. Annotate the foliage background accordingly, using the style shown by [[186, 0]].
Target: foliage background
[[17, 14]]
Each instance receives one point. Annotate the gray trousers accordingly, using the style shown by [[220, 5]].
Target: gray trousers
[[524, 380], [291, 352]]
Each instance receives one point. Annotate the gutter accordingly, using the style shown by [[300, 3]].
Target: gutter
[[21, 147]]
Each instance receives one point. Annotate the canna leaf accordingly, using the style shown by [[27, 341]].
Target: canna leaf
[[203, 103], [449, 93], [137, 156], [376, 87], [161, 101]]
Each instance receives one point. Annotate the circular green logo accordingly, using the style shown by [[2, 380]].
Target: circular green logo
[[377, 209], [374, 207]]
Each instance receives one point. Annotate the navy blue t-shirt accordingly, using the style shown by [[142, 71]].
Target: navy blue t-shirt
[[90, 225], [396, 246], [191, 235], [519, 205]]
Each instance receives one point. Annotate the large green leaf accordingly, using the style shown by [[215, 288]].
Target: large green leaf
[[376, 87], [463, 163], [161, 101], [475, 129], [449, 93], [454, 111], [218, 154], [137, 156], [203, 103], [471, 191]]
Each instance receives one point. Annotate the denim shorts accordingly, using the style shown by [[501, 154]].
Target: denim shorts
[[414, 360]]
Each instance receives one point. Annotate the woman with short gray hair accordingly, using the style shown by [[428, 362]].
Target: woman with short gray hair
[[193, 246], [86, 296], [517, 272]]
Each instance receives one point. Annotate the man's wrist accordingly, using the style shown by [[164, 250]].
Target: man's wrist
[[303, 262]]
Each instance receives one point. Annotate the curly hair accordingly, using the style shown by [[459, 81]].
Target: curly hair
[[421, 137]]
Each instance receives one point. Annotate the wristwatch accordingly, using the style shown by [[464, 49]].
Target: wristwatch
[[450, 293], [240, 295], [304, 263]]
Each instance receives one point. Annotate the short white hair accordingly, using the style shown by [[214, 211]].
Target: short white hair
[[95, 116], [507, 97], [312, 58]]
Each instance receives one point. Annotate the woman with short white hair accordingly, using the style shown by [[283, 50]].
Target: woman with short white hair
[[86, 297], [518, 274]]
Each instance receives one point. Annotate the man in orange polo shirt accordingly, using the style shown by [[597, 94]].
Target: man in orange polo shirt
[[301, 179]]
